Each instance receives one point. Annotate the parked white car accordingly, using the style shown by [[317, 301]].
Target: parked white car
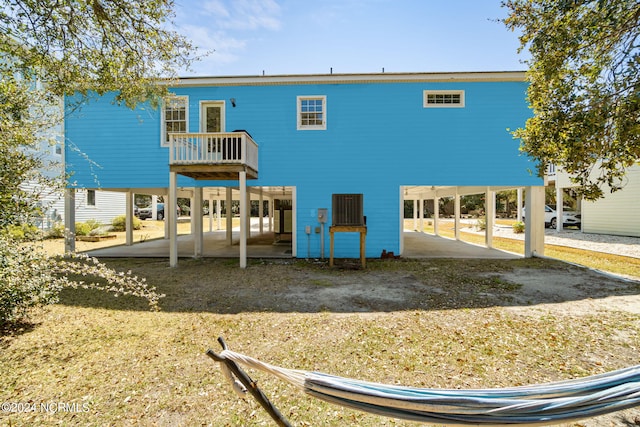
[[570, 218]]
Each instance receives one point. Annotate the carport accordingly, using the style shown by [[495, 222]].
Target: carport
[[419, 194]]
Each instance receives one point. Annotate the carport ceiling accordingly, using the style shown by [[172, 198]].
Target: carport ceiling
[[412, 192]]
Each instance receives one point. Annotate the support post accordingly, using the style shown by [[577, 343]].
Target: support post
[[229, 217], [243, 221], [519, 205], [559, 208], [271, 206], [172, 217], [196, 222], [167, 208], [154, 207], [436, 215], [415, 214], [421, 215], [247, 216], [489, 216], [129, 219], [261, 211], [456, 221], [210, 213], [218, 214], [69, 220], [534, 222]]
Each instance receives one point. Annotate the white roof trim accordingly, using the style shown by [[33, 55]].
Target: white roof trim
[[479, 76]]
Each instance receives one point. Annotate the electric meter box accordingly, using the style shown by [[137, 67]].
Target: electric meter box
[[322, 215]]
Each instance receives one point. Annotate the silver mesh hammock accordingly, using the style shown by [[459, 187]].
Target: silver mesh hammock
[[535, 405]]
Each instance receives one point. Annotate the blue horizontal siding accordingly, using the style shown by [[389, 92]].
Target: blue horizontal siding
[[378, 138]]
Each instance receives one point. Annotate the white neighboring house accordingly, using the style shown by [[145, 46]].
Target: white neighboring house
[[99, 205], [615, 213]]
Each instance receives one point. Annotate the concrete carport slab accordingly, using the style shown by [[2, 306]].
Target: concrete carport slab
[[422, 245], [416, 245]]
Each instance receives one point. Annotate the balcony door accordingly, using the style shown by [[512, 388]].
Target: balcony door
[[212, 116]]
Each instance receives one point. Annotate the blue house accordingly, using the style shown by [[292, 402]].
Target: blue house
[[298, 140]]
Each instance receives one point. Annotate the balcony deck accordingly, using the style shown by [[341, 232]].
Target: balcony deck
[[213, 156]]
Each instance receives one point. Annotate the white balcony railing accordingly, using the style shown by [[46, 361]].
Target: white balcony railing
[[217, 148]]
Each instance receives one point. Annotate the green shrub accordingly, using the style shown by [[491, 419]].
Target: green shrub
[[30, 278], [56, 232], [518, 227], [82, 229], [22, 232], [119, 223], [24, 280], [481, 224], [95, 227]]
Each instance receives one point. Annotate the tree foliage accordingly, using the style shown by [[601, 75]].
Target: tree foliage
[[94, 45], [584, 87], [22, 115], [50, 49]]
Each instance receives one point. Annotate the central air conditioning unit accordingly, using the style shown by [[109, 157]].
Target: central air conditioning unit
[[348, 209]]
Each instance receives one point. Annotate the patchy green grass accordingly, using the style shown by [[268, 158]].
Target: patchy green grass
[[128, 366]]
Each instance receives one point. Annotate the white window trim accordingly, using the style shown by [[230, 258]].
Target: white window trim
[[163, 124], [300, 126], [443, 92]]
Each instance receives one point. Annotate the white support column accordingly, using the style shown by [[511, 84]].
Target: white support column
[[196, 222], [489, 216], [247, 216], [218, 214], [129, 219], [243, 222], [401, 210], [154, 208], [210, 204], [559, 208], [415, 214], [534, 222], [229, 218], [171, 216], [191, 209], [519, 205], [436, 215], [167, 207], [261, 211], [421, 215], [456, 222], [69, 220], [294, 222], [271, 207]]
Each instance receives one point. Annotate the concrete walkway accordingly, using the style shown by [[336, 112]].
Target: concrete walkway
[[416, 245]]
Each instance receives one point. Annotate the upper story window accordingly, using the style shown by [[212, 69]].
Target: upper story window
[[443, 99], [174, 116], [312, 112]]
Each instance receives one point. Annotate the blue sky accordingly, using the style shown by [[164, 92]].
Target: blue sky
[[247, 37]]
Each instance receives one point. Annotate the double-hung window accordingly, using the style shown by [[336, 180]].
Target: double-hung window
[[174, 117], [443, 99], [312, 112]]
